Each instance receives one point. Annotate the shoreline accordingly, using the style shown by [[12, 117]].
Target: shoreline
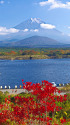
[[13, 91], [18, 91], [29, 57]]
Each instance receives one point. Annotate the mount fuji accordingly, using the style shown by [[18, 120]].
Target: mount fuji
[[33, 32]]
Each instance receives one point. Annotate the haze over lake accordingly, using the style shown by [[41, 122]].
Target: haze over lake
[[52, 70]]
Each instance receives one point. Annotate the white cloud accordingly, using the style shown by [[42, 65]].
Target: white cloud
[[68, 34], [55, 4], [1, 2], [25, 30], [4, 30], [47, 26], [69, 27], [35, 30]]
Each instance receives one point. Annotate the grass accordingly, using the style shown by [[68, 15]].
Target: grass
[[66, 88]]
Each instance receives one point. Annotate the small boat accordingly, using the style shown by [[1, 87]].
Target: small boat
[[53, 84], [0, 87]]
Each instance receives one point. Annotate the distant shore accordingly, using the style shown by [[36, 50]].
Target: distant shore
[[23, 57], [27, 57]]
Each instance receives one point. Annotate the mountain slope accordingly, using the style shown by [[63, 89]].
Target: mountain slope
[[33, 23], [34, 27], [37, 41]]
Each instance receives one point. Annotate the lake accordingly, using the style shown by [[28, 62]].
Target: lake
[[52, 70]]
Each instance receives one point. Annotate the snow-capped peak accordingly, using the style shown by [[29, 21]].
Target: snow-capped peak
[[37, 20]]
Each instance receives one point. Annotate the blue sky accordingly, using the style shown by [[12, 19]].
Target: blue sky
[[54, 12]]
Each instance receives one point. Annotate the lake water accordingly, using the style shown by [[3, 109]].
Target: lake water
[[52, 70]]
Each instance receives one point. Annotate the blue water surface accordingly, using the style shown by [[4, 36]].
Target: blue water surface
[[52, 70]]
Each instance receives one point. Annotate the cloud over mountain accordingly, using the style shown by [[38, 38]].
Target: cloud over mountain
[[47, 26], [33, 27], [25, 30], [5, 31], [35, 30], [55, 4]]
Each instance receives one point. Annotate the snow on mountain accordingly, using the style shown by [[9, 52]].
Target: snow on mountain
[[37, 20], [33, 23], [36, 27]]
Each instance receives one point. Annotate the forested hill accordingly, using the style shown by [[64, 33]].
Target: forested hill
[[35, 41]]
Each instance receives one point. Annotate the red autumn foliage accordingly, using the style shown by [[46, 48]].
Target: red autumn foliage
[[38, 106]]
